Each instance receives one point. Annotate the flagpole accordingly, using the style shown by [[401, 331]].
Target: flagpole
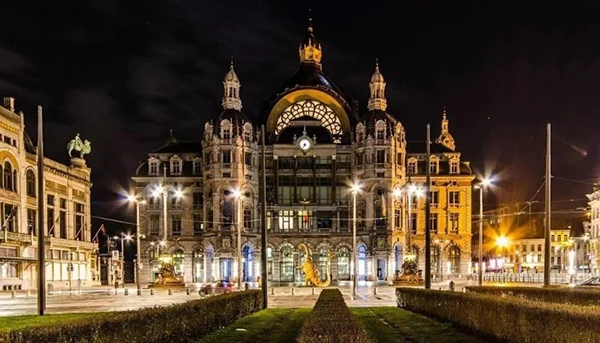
[[41, 291]]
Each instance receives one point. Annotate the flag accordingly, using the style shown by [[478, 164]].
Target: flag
[[101, 229]]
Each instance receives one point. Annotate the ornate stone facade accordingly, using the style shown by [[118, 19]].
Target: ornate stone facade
[[318, 144], [67, 210]]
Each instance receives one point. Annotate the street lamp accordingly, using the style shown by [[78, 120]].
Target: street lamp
[[484, 183], [237, 194], [503, 242], [163, 190], [133, 198], [355, 188], [123, 238]]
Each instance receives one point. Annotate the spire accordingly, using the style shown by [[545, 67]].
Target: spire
[[171, 139], [231, 90], [377, 99], [310, 49], [445, 137]]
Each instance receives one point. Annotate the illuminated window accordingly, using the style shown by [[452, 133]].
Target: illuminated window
[[412, 167], [313, 109], [454, 167]]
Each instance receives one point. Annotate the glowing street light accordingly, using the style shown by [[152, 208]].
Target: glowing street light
[[502, 241], [484, 183]]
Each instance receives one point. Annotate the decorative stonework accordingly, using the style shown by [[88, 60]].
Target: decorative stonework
[[313, 109]]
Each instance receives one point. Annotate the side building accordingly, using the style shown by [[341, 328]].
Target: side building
[[70, 256], [318, 144]]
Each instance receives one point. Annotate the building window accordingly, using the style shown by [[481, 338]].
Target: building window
[[565, 238], [176, 225], [247, 218], [248, 158], [8, 177], [305, 219], [412, 167], [552, 238], [153, 168], [31, 221], [397, 219], [413, 223], [433, 167], [62, 219], [453, 223], [247, 135], [380, 134], [286, 219], [539, 247], [176, 167], [380, 156], [50, 215], [454, 167], [30, 183], [226, 134], [434, 198], [198, 199], [10, 217], [433, 220], [198, 224], [9, 270], [226, 157], [399, 158], [454, 198], [79, 221], [197, 167], [153, 231], [454, 259]]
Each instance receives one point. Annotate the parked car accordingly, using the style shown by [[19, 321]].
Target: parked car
[[217, 287]]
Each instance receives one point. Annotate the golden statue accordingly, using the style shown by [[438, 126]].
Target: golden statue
[[167, 277], [311, 272]]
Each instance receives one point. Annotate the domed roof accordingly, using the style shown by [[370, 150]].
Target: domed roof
[[231, 76], [234, 116], [373, 116], [377, 77]]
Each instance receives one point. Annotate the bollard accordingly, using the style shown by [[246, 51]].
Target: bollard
[[246, 286], [293, 291], [451, 284], [272, 290], [139, 292], [440, 288], [170, 291], [313, 291], [187, 291], [464, 289], [108, 292], [151, 291], [126, 291], [13, 294], [374, 290]]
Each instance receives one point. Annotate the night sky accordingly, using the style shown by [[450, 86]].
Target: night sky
[[121, 73]]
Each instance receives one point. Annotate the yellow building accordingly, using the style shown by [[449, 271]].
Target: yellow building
[[70, 255], [319, 142]]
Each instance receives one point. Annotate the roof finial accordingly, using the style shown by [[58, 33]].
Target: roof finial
[[310, 28], [231, 64], [376, 64], [444, 113]]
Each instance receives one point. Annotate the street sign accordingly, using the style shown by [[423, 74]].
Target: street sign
[[70, 267], [115, 254]]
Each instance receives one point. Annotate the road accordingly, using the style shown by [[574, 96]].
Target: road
[[103, 299]]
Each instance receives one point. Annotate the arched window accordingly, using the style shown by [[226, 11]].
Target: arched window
[[398, 257], [287, 265], [227, 214], [435, 260], [248, 218], [15, 180], [454, 259], [322, 263], [178, 257], [343, 261], [30, 183], [362, 262], [8, 179]]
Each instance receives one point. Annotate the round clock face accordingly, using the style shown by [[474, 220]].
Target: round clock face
[[304, 144]]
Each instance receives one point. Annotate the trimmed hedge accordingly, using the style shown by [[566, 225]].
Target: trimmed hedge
[[184, 322], [331, 322], [507, 318], [563, 295]]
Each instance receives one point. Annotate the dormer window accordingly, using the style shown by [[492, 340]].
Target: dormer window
[[197, 166], [380, 130], [227, 134], [226, 129], [433, 166], [153, 167], [360, 132], [380, 134], [453, 167], [247, 132], [412, 167], [175, 166]]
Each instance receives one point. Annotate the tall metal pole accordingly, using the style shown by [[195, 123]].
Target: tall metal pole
[[480, 268], [428, 213], [239, 241], [354, 250], [138, 256], [409, 221], [263, 214], [548, 208], [123, 259], [165, 199], [41, 234]]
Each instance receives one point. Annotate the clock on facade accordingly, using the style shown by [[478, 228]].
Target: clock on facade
[[304, 144]]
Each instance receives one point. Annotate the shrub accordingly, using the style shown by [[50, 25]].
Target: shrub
[[184, 322], [331, 321], [508, 318], [563, 295]]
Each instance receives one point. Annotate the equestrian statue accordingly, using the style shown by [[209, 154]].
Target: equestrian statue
[[76, 144], [311, 272]]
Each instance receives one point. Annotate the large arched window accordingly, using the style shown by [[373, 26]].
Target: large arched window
[[322, 263], [343, 263], [8, 176], [362, 261], [30, 183], [287, 265], [313, 109], [454, 259]]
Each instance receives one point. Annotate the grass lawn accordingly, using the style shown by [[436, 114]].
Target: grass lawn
[[19, 322], [272, 325], [390, 324]]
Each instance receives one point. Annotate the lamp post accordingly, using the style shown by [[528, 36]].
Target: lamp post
[[503, 242], [123, 238], [138, 256], [237, 194], [354, 189], [484, 183], [163, 190]]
